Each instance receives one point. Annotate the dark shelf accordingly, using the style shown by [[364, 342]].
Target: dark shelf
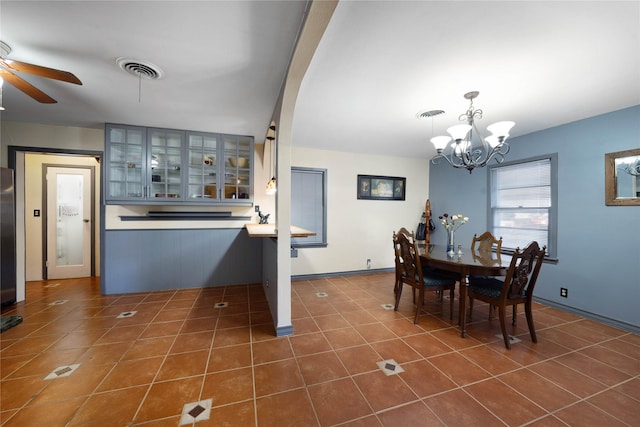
[[184, 216]]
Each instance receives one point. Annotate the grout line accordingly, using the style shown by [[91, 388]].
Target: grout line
[[363, 293], [164, 359]]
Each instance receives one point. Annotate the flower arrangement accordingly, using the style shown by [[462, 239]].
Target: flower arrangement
[[453, 222]]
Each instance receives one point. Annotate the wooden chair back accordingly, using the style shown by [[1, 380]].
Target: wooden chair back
[[486, 242], [523, 272], [408, 257]]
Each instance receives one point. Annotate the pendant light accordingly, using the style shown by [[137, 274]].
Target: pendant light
[[271, 185]]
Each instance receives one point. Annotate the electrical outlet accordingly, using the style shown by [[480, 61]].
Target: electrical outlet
[[564, 292], [368, 263], [257, 208]]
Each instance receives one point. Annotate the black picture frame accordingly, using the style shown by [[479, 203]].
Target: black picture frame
[[378, 187]]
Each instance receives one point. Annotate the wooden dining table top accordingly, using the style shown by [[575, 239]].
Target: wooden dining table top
[[469, 262]]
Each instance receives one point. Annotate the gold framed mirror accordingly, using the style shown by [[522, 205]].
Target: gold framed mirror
[[622, 178]]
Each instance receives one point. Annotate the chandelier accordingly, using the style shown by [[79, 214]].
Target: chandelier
[[469, 152]]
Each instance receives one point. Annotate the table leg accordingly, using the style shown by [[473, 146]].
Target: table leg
[[462, 307]]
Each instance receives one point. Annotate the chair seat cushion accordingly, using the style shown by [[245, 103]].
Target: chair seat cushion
[[433, 279], [487, 286]]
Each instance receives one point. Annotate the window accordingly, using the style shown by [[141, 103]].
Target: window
[[309, 205], [523, 202]]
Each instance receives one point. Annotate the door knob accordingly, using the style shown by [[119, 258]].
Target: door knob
[[85, 220]]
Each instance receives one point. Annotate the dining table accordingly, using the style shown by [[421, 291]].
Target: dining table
[[462, 264]]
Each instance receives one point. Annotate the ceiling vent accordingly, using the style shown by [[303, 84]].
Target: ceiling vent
[[138, 68], [429, 113]]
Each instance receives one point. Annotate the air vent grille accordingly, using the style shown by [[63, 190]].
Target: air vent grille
[[429, 113], [139, 68]]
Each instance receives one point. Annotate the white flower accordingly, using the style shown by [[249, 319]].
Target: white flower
[[453, 222]]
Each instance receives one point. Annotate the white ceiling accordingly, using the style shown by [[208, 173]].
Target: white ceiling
[[223, 62], [540, 64]]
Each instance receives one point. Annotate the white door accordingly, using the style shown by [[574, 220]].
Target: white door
[[69, 218]]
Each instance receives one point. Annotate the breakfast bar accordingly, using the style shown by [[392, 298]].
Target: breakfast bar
[[269, 230]]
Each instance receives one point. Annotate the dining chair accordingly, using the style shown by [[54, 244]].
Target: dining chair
[[482, 248], [486, 242], [412, 273], [397, 283], [516, 288]]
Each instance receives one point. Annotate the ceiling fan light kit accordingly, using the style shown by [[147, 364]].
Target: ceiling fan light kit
[[467, 152], [9, 66]]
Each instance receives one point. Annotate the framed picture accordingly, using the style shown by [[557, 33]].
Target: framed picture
[[374, 187]]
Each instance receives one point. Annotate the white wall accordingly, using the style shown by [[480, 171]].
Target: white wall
[[46, 136], [358, 230]]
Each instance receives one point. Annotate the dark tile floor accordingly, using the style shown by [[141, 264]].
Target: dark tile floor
[[181, 357]]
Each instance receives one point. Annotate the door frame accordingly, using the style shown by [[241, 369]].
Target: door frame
[[45, 214], [13, 153]]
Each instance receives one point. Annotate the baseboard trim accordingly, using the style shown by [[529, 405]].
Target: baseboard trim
[[586, 314], [282, 331], [342, 273], [606, 320]]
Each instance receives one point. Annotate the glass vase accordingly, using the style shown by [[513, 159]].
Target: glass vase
[[451, 242]]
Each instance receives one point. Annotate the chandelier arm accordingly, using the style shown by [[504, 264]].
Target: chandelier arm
[[476, 156], [462, 164], [477, 114], [633, 171], [503, 148]]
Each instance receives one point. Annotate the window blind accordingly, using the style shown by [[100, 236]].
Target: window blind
[[521, 203]]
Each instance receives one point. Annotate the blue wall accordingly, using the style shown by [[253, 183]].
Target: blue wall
[[598, 245], [160, 259]]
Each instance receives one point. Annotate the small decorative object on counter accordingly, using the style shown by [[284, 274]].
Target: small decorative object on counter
[[264, 219], [451, 224]]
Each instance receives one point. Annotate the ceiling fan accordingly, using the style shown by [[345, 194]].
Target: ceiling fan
[[8, 65]]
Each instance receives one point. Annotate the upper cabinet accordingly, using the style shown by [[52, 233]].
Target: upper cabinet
[[237, 151], [165, 148], [164, 166]]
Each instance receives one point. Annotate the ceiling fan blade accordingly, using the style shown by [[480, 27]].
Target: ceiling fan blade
[[26, 87], [50, 73]]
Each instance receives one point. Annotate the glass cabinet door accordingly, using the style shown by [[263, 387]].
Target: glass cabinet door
[[126, 151], [237, 167], [158, 166], [203, 166], [165, 164]]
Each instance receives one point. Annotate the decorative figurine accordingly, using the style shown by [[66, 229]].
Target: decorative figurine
[[264, 219]]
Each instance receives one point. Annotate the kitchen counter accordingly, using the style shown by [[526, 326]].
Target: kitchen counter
[[269, 230]]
